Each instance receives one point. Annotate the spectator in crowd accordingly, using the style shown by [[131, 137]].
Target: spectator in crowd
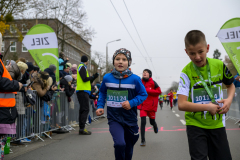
[[62, 61], [36, 69], [66, 83], [8, 111], [13, 70], [69, 64], [237, 85], [21, 60], [74, 75], [74, 66], [52, 71], [22, 67], [83, 92], [237, 80], [27, 75], [40, 83], [66, 70]]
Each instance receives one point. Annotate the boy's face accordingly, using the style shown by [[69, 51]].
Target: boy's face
[[145, 74], [198, 53], [120, 62]]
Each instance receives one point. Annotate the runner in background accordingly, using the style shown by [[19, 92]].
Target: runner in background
[[160, 99], [150, 105], [165, 98], [170, 96], [174, 98]]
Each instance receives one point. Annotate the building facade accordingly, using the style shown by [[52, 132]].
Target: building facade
[[69, 41]]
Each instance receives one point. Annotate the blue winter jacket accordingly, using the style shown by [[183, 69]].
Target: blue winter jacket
[[136, 95], [236, 83]]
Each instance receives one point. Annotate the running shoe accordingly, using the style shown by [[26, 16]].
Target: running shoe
[[25, 140], [143, 143], [85, 132], [155, 127]]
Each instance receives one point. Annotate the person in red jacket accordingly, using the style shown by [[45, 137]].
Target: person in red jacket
[[170, 95], [150, 105]]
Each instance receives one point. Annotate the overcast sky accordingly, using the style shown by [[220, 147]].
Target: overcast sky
[[162, 26]]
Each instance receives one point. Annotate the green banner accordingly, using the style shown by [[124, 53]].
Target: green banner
[[229, 35], [41, 42]]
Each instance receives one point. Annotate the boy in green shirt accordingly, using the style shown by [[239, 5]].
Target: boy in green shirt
[[200, 95]]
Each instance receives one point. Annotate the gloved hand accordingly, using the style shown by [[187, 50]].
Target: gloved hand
[[95, 75]]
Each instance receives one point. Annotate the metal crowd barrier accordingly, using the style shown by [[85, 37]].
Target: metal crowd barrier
[[234, 111], [44, 117]]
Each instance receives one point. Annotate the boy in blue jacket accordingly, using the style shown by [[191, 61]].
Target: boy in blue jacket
[[123, 91]]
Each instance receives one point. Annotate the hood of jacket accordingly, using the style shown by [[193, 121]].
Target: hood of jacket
[[35, 79], [15, 72]]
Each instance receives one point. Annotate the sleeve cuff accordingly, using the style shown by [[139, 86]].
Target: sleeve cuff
[[131, 103], [100, 107]]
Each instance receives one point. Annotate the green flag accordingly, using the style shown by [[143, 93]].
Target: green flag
[[229, 35], [41, 42]]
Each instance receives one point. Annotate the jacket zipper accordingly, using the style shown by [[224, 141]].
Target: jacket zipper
[[145, 87], [119, 83]]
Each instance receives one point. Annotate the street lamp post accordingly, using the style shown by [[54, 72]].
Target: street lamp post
[[99, 72], [107, 53]]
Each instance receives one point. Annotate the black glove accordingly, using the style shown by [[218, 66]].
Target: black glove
[[95, 75]]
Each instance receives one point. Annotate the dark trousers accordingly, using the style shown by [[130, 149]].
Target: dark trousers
[[143, 125], [83, 99], [124, 138], [211, 143]]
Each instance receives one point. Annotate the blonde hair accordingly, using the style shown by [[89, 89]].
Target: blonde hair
[[49, 81], [22, 66], [69, 64]]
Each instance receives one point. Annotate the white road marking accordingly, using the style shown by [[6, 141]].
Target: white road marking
[[177, 115], [173, 111], [183, 122]]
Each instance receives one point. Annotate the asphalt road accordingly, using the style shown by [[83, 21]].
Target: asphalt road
[[169, 144]]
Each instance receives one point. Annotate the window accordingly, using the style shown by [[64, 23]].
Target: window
[[13, 46], [13, 28], [2, 47], [24, 49], [24, 28]]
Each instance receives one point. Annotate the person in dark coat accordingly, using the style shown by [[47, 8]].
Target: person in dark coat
[[27, 75], [52, 71], [66, 83]]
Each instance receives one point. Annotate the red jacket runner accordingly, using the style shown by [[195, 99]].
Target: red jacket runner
[[170, 95], [153, 91]]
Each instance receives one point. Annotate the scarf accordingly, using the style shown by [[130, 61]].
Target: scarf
[[84, 64], [121, 75]]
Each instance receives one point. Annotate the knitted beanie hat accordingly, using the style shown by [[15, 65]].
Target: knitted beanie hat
[[68, 78], [124, 51], [30, 66], [84, 59], [52, 67], [149, 71]]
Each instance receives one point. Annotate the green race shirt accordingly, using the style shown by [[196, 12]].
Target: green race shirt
[[191, 86]]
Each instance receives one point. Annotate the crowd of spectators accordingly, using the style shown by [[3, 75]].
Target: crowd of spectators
[[28, 77]]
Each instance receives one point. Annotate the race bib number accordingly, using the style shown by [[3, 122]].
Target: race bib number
[[115, 98], [201, 95]]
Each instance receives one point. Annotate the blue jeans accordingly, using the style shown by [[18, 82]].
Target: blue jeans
[[124, 138]]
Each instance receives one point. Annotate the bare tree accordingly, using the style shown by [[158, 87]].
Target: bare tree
[[228, 62], [9, 8], [173, 87], [70, 13]]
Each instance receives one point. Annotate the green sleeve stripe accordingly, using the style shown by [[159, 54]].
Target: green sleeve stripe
[[183, 80]]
